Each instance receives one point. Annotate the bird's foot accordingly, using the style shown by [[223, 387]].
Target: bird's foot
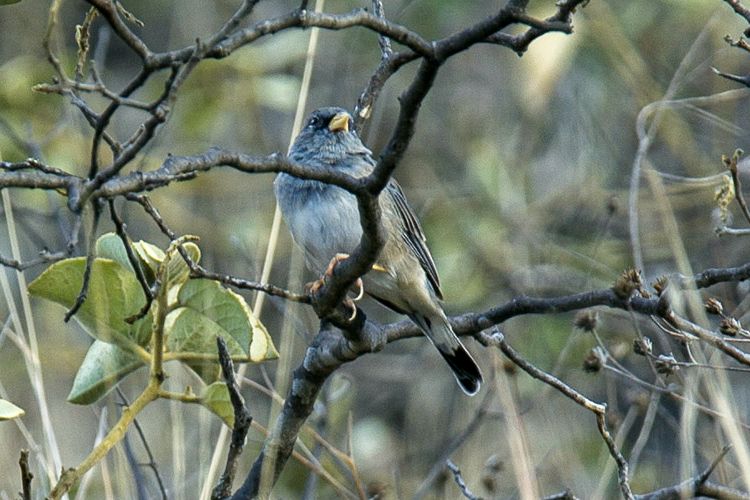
[[349, 302]]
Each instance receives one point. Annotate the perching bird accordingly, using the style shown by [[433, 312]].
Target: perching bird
[[324, 222]]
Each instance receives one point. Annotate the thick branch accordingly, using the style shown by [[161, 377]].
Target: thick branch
[[329, 351]]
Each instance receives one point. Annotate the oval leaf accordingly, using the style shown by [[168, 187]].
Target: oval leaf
[[110, 246], [177, 269], [215, 397], [150, 256], [230, 311], [10, 411], [102, 368], [114, 294], [189, 331]]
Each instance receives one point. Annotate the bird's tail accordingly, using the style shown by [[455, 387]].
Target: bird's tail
[[464, 368]]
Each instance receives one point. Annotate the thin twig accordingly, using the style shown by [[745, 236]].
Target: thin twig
[[26, 475], [496, 338], [563, 495], [135, 263], [465, 491], [44, 258], [242, 421], [740, 10], [90, 255], [198, 271], [698, 486], [151, 464]]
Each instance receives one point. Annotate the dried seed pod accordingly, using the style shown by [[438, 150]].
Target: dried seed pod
[[643, 346], [586, 320], [730, 326], [666, 364], [713, 306], [492, 467], [628, 282], [594, 360], [660, 284]]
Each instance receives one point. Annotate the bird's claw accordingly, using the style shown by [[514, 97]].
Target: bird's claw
[[334, 262], [349, 304], [314, 287], [361, 287]]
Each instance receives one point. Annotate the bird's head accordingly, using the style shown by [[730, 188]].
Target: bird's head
[[328, 136]]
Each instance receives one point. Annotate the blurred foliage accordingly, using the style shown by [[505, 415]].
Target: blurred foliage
[[519, 170]]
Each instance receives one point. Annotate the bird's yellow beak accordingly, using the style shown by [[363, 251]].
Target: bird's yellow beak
[[339, 122]]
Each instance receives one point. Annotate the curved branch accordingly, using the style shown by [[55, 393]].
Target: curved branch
[[329, 351]]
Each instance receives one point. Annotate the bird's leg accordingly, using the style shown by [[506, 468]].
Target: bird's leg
[[316, 285]]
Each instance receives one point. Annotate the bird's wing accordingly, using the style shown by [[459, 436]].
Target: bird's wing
[[414, 236]]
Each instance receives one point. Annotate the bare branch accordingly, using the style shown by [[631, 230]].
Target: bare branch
[[198, 271], [134, 263], [242, 421], [465, 491], [45, 257], [520, 43], [26, 475], [90, 254], [151, 464], [698, 486], [740, 10], [109, 11]]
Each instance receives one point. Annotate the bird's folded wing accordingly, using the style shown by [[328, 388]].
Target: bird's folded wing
[[414, 236]]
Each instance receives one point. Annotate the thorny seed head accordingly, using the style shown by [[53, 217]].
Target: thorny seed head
[[660, 284], [492, 467], [586, 320], [643, 347], [730, 326], [494, 464], [594, 360], [489, 481], [713, 306], [666, 364], [628, 282]]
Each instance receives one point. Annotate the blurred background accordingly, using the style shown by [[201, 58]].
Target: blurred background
[[520, 171]]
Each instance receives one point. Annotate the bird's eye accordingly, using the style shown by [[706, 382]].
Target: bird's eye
[[314, 122]]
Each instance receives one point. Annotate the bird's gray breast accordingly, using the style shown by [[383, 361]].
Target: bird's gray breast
[[323, 219]]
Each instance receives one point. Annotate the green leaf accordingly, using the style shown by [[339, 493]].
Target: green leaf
[[110, 246], [114, 294], [150, 256], [8, 2], [189, 331], [177, 270], [10, 411], [102, 368], [232, 314], [215, 397]]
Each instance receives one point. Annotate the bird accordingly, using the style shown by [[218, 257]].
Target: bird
[[324, 222]]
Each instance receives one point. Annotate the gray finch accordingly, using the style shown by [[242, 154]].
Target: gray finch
[[324, 222]]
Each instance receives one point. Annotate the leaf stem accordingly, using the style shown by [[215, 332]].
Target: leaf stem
[[70, 476]]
